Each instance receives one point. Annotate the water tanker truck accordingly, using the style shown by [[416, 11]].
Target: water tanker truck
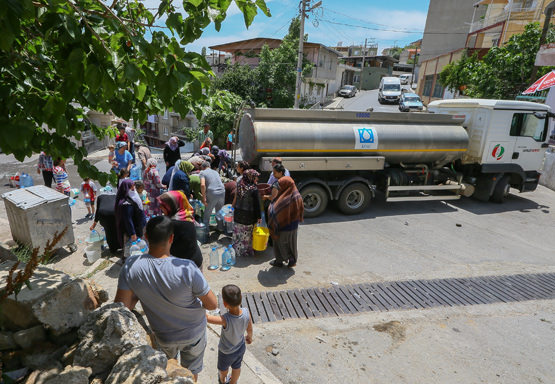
[[465, 147]]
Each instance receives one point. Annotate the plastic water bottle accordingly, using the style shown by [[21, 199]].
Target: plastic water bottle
[[232, 255], [214, 259], [135, 249], [143, 246], [71, 202], [225, 260], [87, 199]]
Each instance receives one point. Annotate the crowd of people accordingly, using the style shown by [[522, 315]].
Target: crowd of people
[[169, 280]]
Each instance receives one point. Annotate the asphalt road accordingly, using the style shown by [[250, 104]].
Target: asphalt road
[[367, 99]]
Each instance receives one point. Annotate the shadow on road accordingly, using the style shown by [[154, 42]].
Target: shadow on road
[[513, 203], [275, 277]]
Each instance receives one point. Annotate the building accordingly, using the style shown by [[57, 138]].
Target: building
[[503, 19], [493, 23], [317, 87], [447, 26], [375, 67], [159, 128], [218, 62], [356, 50], [408, 55]]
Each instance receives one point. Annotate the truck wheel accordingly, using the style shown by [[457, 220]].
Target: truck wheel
[[354, 199], [380, 100], [315, 200], [501, 190]]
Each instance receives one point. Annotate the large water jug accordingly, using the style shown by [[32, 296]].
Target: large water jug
[[225, 260], [135, 249], [25, 180], [214, 259], [87, 198], [135, 173], [143, 246], [232, 255], [202, 232]]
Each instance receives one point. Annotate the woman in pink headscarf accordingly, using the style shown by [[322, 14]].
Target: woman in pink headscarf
[[151, 180], [171, 151]]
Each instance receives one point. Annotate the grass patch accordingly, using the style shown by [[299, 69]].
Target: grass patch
[[103, 265]]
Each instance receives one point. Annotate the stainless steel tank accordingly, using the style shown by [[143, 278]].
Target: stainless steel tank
[[399, 137]]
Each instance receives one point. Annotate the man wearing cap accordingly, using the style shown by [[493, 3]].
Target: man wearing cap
[[276, 161]]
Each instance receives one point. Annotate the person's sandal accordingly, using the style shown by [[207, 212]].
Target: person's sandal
[[291, 264], [275, 263]]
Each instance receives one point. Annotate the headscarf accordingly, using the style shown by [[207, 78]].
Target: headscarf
[[177, 206], [247, 183], [186, 166], [215, 150], [175, 169], [172, 143], [196, 161], [286, 208], [120, 144], [150, 163], [205, 151]]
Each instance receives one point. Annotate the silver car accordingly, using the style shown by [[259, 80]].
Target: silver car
[[348, 91]]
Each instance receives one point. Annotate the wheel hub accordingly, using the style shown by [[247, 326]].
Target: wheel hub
[[311, 202], [355, 199]]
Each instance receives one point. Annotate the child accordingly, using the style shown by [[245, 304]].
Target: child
[[140, 188], [122, 175], [232, 340], [88, 189], [111, 153]]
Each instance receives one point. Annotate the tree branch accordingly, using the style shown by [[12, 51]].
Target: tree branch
[[89, 26]]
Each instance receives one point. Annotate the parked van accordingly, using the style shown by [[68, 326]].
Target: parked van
[[405, 78], [390, 90]]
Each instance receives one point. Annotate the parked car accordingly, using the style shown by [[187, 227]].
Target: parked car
[[405, 78], [348, 91], [410, 101], [390, 90]]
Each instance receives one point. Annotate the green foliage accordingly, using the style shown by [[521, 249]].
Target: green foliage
[[272, 83], [220, 113], [503, 73], [58, 58]]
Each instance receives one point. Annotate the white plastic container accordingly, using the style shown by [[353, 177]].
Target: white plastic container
[[93, 253]]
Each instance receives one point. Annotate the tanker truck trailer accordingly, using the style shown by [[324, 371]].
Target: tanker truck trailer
[[470, 147]]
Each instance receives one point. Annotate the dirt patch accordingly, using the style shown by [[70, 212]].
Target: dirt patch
[[395, 329]]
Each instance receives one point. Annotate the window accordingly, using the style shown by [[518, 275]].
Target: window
[[166, 114], [166, 131], [428, 80], [438, 89], [528, 125]]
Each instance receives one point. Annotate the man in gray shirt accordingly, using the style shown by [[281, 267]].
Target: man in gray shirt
[[173, 293], [212, 189]]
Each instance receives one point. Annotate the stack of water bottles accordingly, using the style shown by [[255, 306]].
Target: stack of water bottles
[[228, 258], [137, 247]]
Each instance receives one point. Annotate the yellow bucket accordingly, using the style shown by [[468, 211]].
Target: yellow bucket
[[260, 237]]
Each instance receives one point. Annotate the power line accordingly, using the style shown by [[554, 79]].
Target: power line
[[354, 18]]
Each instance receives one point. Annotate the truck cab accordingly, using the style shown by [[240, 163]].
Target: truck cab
[[507, 142]]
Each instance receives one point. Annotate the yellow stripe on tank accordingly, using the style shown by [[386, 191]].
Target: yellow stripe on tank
[[362, 150]]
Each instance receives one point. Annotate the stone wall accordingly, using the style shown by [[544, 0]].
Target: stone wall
[[548, 174]]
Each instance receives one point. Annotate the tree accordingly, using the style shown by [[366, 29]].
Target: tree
[[203, 52], [60, 57], [503, 73], [272, 82], [220, 113]]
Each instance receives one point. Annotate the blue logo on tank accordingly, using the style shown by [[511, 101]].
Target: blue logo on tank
[[366, 135]]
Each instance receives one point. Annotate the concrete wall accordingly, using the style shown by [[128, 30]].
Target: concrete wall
[[548, 175], [447, 26], [372, 76]]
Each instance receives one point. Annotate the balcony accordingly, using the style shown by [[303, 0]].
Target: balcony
[[515, 12]]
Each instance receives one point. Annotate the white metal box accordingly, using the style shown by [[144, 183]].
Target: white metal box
[[36, 213]]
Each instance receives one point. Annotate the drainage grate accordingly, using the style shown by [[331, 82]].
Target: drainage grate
[[395, 295]]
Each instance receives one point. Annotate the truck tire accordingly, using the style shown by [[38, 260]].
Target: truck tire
[[355, 198], [315, 200], [501, 190]]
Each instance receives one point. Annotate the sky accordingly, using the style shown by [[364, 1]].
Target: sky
[[388, 22]]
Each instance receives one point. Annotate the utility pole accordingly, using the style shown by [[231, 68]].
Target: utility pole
[[300, 58], [548, 14], [414, 60], [363, 60]]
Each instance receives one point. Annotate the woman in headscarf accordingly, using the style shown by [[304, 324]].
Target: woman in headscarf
[[171, 151], [246, 213], [151, 180], [214, 164], [179, 180], [285, 213], [130, 218], [175, 205]]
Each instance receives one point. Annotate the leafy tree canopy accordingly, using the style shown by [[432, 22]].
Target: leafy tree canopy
[[59, 58], [503, 73], [272, 82]]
